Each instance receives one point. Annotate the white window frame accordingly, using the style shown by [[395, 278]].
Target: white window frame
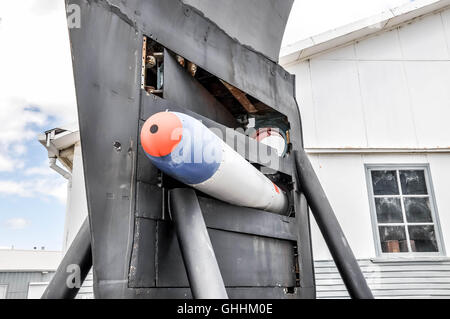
[[430, 195], [6, 290]]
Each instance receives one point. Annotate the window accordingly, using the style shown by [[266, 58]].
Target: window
[[403, 210], [3, 290]]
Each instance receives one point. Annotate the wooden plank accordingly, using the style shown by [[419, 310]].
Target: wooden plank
[[393, 268], [416, 274], [388, 293], [393, 287], [422, 279], [362, 263], [334, 282]]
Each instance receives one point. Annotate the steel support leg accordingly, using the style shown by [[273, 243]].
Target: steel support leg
[[200, 261], [73, 268], [331, 230]]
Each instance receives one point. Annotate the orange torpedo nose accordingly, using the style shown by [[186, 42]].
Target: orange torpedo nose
[[161, 133]]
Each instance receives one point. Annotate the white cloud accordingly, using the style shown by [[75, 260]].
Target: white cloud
[[43, 188], [6, 163], [36, 77], [36, 85], [13, 188], [35, 58], [17, 223], [40, 170], [15, 131]]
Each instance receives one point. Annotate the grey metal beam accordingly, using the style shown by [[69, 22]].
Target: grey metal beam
[[76, 262], [200, 261], [247, 220], [331, 230]]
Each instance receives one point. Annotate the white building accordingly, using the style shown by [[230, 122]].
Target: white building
[[25, 273], [375, 103]]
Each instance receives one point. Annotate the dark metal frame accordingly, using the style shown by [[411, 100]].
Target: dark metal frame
[[134, 242]]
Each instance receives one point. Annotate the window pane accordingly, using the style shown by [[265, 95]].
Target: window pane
[[418, 210], [393, 239], [384, 182], [423, 238], [389, 210], [413, 182]]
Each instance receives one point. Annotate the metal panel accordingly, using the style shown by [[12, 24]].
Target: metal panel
[[113, 289], [222, 216], [106, 57], [147, 173], [258, 24], [384, 92], [204, 43], [170, 266], [142, 268], [425, 39], [181, 88], [108, 110], [149, 201], [334, 84], [254, 262], [429, 96]]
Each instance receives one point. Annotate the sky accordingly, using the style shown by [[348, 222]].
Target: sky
[[37, 93]]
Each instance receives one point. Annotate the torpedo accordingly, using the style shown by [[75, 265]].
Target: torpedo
[[185, 149]]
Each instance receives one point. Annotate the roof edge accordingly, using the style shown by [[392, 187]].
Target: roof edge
[[349, 33]]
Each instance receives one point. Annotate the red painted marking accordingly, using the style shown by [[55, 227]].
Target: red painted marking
[[167, 136], [276, 188]]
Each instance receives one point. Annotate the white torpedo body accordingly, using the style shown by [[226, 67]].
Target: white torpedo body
[[187, 150]]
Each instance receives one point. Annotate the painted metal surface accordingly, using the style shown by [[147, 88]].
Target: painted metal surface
[[258, 24], [205, 279], [134, 248], [202, 160], [330, 229], [183, 89]]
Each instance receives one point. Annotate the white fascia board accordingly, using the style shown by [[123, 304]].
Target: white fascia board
[[375, 150], [12, 260], [386, 20]]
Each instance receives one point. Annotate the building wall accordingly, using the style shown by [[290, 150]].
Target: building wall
[[20, 268], [76, 207], [343, 178], [384, 99], [394, 84], [390, 280], [18, 282]]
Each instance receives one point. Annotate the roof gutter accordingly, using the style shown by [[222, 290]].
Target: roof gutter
[[53, 153]]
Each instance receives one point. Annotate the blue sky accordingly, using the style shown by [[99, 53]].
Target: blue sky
[[37, 94]]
